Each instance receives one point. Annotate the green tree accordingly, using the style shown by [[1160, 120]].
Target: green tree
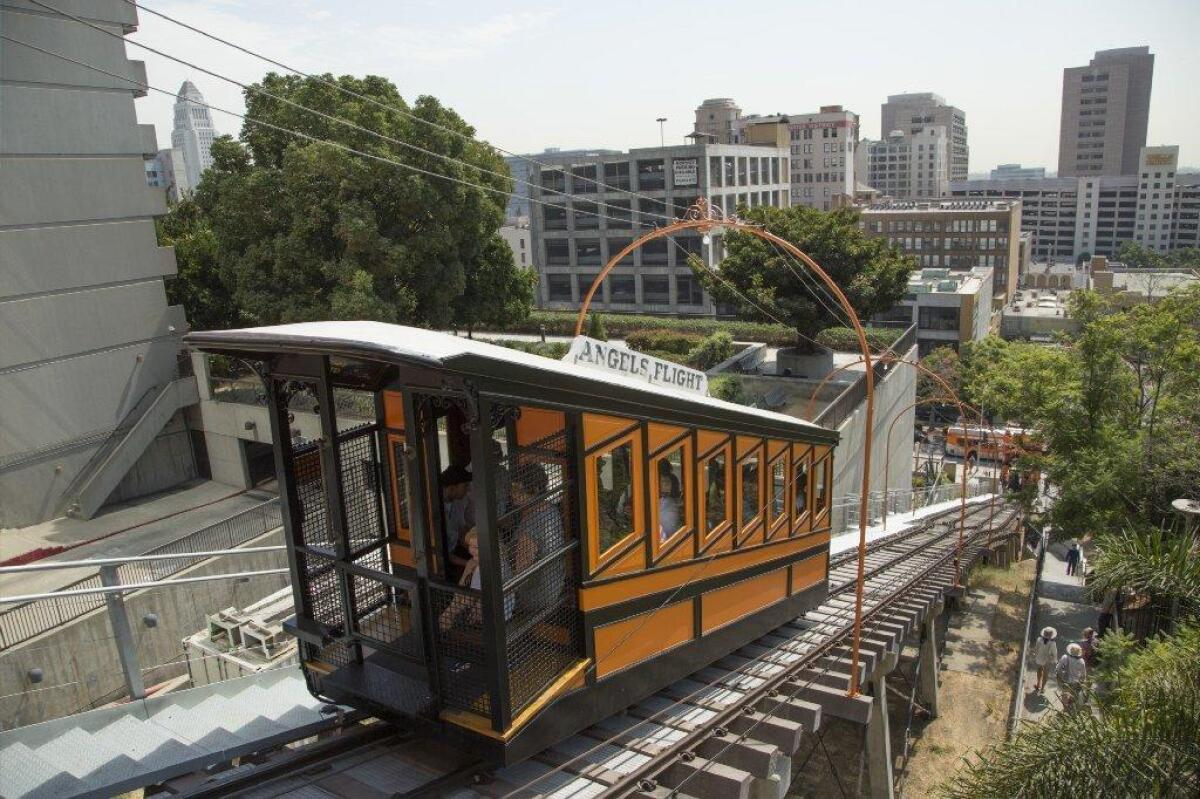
[[946, 364], [1133, 254], [303, 230], [595, 328], [729, 388], [872, 273], [711, 351], [200, 286]]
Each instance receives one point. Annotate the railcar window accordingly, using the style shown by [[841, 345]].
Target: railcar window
[[800, 489], [614, 482], [401, 484], [822, 487], [778, 488], [670, 494], [750, 496], [716, 510]]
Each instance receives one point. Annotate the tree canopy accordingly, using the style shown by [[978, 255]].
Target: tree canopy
[[1133, 254], [283, 228], [872, 273], [1115, 403]]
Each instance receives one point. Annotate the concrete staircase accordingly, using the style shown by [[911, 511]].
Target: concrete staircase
[[120, 452], [113, 750]]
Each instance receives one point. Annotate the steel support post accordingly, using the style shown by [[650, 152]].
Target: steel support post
[[118, 618], [927, 677]]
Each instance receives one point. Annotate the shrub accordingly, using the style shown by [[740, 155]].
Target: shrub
[[711, 351], [548, 349], [663, 341], [596, 328], [562, 323], [844, 339], [728, 388]]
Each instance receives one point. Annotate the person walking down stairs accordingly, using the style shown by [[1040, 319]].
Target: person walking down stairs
[[1045, 655]]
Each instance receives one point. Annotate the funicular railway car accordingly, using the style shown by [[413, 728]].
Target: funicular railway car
[[510, 547]]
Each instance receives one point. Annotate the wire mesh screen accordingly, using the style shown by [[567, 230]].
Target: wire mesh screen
[[319, 588], [310, 493], [542, 639], [385, 613], [536, 523], [458, 617], [358, 454]]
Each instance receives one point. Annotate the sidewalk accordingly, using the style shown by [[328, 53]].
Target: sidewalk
[[130, 528], [1062, 605]]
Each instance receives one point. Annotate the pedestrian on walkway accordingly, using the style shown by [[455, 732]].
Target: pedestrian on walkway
[[1073, 554], [1108, 606], [1088, 645], [1045, 654], [1070, 673]]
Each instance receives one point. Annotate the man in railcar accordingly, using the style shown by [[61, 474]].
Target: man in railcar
[[459, 515], [539, 533]]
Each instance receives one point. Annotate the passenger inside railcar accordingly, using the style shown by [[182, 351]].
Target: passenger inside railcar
[[670, 494], [459, 512], [538, 534]]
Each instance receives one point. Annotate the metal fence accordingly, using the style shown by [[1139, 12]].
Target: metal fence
[[23, 622], [899, 501], [846, 403]]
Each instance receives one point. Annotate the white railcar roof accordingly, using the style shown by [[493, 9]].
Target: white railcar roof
[[433, 348]]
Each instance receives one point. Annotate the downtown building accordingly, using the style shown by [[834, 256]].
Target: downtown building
[[913, 114], [954, 235], [524, 173], [93, 400], [578, 225], [950, 308], [1069, 217], [822, 143], [191, 139], [907, 165], [1105, 113]]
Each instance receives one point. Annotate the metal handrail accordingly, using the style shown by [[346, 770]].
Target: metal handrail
[[30, 619]]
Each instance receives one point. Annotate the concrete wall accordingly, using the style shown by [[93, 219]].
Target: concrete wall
[[893, 396], [161, 465], [79, 659], [84, 320]]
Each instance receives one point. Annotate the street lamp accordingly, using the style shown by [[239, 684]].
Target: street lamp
[[662, 137]]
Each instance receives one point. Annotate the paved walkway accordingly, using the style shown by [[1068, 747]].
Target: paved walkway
[[129, 528], [1062, 605]]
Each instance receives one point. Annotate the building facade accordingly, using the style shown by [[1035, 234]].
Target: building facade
[[88, 382], [949, 308], [716, 121], [524, 172], [1105, 112], [823, 146], [192, 136], [1017, 171], [572, 238], [1071, 217], [907, 165], [954, 235], [520, 241], [914, 113]]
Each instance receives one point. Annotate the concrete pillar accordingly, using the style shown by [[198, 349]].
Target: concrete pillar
[[927, 673], [879, 743], [123, 634]]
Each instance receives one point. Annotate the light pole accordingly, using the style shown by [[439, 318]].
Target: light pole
[[662, 137]]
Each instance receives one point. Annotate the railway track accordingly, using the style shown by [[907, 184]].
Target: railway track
[[728, 730]]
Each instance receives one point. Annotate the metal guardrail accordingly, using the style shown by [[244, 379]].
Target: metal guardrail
[[1018, 703], [26, 621], [846, 403], [900, 501]]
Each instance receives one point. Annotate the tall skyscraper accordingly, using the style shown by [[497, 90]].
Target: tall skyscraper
[[914, 113], [192, 136], [1105, 110]]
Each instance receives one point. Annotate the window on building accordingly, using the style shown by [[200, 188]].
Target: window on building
[[934, 318], [618, 213], [688, 290], [584, 282], [616, 175], [651, 174], [652, 212], [587, 252], [654, 252], [554, 179], [714, 171], [558, 288], [558, 252], [615, 246], [555, 217], [622, 289], [583, 179], [656, 289], [587, 215]]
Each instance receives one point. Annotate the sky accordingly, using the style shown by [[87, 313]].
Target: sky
[[531, 75]]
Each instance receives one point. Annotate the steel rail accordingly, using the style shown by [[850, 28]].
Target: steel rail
[[636, 780]]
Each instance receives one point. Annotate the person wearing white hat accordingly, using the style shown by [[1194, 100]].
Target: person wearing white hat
[[1070, 673], [1045, 655]]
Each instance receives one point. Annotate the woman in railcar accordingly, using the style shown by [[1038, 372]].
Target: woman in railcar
[[539, 533], [670, 500]]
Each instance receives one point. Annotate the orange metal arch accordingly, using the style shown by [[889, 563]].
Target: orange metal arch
[[700, 217]]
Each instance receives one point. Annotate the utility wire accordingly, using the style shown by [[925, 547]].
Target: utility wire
[[330, 117], [366, 98]]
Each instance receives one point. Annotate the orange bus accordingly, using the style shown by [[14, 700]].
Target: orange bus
[[993, 444]]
